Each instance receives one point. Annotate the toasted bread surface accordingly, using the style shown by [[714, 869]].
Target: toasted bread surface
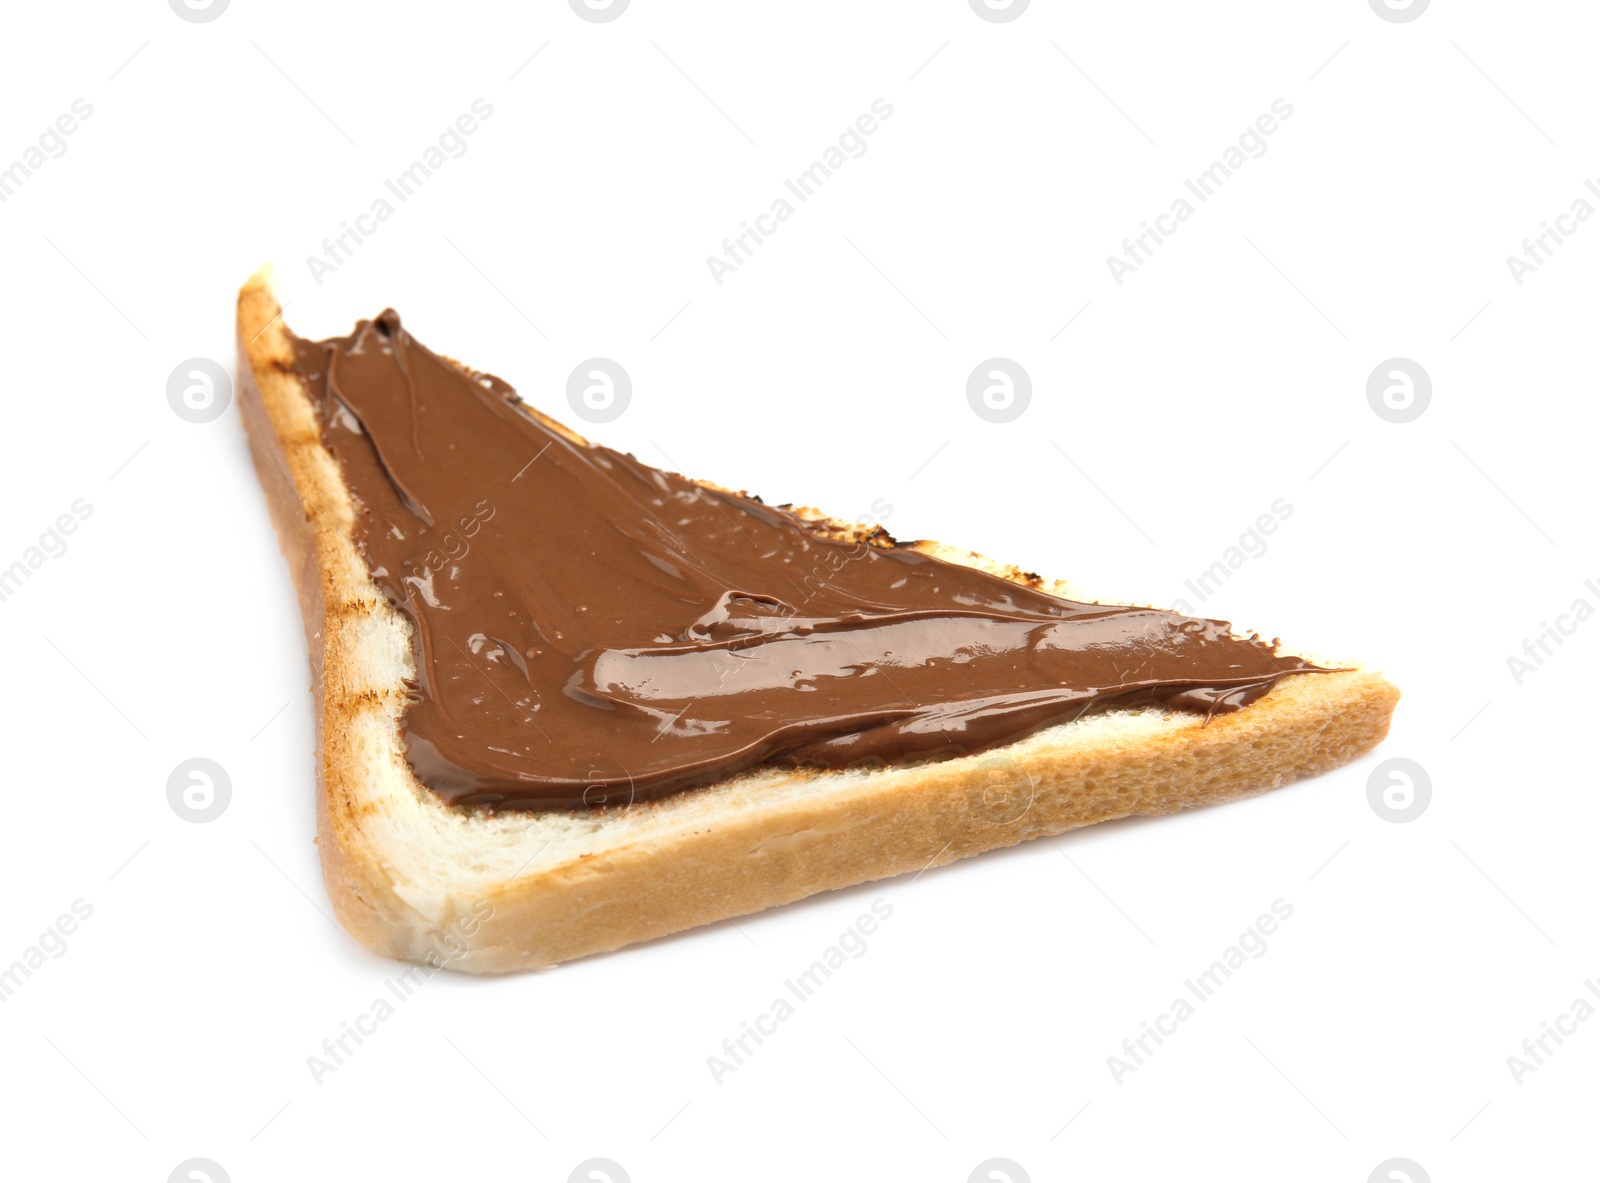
[[487, 893]]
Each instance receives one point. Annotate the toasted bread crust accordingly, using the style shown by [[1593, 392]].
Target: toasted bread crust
[[417, 880]]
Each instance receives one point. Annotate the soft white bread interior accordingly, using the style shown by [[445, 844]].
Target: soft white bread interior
[[417, 880]]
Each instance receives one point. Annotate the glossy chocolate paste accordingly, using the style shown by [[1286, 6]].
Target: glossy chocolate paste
[[589, 630]]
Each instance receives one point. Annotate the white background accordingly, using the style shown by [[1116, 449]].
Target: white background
[[1229, 371]]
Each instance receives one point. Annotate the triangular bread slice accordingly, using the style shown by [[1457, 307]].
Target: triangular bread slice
[[488, 893]]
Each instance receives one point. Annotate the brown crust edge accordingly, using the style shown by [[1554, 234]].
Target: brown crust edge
[[750, 858]]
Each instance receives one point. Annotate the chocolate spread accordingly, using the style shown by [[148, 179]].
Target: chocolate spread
[[589, 630]]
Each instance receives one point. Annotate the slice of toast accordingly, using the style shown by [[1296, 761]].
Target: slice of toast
[[493, 892]]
